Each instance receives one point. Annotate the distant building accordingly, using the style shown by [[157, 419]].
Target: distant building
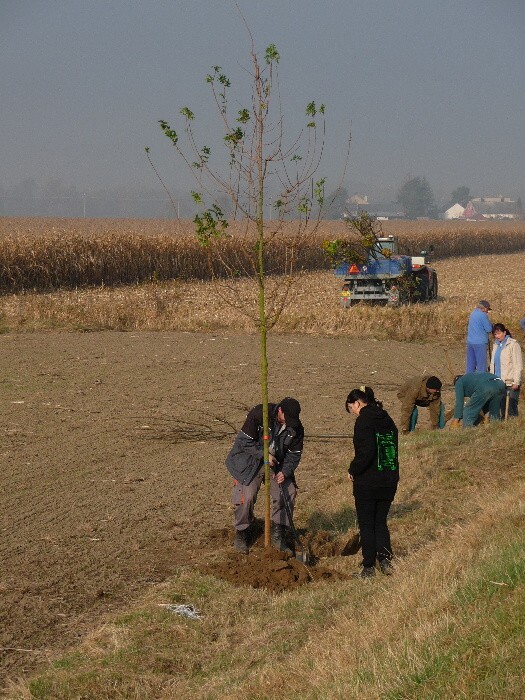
[[381, 210], [491, 208], [456, 211], [470, 214]]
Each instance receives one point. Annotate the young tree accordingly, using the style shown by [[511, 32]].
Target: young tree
[[361, 242], [416, 198], [260, 160], [336, 204]]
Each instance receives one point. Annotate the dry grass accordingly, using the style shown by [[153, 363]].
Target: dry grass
[[313, 305], [47, 254]]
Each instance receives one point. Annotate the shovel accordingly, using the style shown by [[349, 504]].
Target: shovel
[[305, 556], [507, 401]]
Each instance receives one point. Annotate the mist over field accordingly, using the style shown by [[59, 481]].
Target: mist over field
[[432, 90]]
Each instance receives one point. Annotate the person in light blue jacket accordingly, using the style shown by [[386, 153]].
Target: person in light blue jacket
[[479, 329]]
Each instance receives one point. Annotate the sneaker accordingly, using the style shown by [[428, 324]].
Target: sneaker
[[366, 572], [241, 541], [386, 567]]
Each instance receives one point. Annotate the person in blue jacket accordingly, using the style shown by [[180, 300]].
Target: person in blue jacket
[[478, 332]]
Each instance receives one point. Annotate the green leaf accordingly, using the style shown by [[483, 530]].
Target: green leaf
[[186, 112], [244, 116], [234, 137], [311, 110], [271, 54], [319, 191], [172, 135]]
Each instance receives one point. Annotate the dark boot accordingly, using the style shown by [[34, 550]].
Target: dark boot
[[241, 541], [279, 538], [366, 572], [386, 567]]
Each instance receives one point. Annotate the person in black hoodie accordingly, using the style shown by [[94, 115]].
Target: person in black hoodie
[[374, 472]]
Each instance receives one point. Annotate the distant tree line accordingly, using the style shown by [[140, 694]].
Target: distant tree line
[[56, 199]]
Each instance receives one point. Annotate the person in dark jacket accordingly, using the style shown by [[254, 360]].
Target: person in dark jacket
[[374, 472], [245, 462]]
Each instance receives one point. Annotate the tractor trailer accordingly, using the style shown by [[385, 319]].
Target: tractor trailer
[[388, 278]]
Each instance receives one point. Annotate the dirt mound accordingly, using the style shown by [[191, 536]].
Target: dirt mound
[[268, 568], [322, 544]]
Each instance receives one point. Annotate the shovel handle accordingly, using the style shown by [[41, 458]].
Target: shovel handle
[[507, 401], [289, 514]]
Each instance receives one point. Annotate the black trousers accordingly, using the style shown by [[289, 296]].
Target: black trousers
[[372, 505]]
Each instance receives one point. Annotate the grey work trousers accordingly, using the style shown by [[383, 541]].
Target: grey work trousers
[[244, 498]]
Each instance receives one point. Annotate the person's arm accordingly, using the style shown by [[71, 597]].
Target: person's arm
[[290, 463], [460, 400], [492, 355], [292, 456], [365, 451], [408, 395], [517, 365], [487, 325], [434, 409]]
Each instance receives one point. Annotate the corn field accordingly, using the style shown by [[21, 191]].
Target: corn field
[[50, 254]]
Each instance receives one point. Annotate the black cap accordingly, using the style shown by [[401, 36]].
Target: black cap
[[291, 409], [433, 383]]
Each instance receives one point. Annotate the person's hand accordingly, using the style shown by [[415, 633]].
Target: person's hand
[[279, 477], [272, 460], [350, 477], [515, 387]]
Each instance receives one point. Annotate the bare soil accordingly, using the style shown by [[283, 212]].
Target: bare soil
[[112, 464]]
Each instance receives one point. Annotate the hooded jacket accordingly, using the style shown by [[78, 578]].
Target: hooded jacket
[[245, 458], [376, 449]]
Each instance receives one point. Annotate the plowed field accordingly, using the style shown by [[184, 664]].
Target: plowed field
[[112, 459]]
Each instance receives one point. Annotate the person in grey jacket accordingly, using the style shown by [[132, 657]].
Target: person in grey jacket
[[245, 463]]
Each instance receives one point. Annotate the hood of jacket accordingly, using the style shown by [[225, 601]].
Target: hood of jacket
[[374, 416]]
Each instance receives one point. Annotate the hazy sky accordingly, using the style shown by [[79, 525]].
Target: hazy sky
[[434, 88]]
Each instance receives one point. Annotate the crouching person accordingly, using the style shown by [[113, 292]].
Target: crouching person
[[421, 391], [245, 462], [484, 391]]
